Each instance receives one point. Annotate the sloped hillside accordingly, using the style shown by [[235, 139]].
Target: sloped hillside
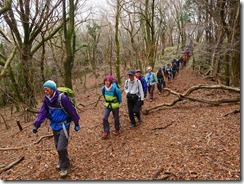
[[188, 141]]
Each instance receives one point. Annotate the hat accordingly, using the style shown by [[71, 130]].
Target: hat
[[149, 68], [138, 71], [131, 72], [50, 84]]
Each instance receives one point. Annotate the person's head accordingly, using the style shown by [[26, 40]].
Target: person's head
[[149, 69], [131, 75], [138, 73], [49, 88], [108, 81]]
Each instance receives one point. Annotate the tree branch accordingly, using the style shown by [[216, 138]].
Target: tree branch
[[185, 96]]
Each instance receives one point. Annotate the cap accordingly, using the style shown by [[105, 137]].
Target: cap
[[131, 72], [50, 84], [149, 68], [138, 71]]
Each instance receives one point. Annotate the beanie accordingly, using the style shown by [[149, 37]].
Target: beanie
[[50, 84]]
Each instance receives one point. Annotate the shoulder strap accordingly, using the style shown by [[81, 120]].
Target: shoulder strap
[[60, 102]]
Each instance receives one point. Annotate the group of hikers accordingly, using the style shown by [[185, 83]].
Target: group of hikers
[[59, 109]]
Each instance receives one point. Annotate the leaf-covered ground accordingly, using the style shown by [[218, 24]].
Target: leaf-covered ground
[[188, 141]]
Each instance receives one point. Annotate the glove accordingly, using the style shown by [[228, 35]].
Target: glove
[[142, 102], [34, 130], [77, 128]]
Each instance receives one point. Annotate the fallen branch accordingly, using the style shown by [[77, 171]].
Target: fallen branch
[[6, 124], [12, 164], [155, 176], [166, 175], [185, 96], [36, 142], [98, 100], [42, 137], [233, 112], [164, 126]]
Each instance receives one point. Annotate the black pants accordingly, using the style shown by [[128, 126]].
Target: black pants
[[61, 144], [134, 107]]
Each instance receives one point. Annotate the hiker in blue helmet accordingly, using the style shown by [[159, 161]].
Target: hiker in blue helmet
[[60, 116]]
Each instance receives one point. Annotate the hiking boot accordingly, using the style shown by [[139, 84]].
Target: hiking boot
[[132, 125], [57, 166], [63, 173], [105, 135], [116, 132]]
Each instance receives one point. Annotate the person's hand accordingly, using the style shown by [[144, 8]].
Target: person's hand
[[34, 130], [77, 128]]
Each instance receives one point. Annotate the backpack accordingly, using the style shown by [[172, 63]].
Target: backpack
[[69, 93]]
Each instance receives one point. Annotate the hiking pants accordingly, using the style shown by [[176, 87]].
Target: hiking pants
[[134, 107], [61, 144], [151, 90], [160, 85], [106, 114]]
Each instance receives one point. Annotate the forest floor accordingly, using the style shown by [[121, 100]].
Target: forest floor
[[188, 141]]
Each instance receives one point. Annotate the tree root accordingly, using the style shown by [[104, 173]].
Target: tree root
[[185, 96], [36, 142], [12, 164]]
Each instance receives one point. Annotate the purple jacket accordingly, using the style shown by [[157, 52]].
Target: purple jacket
[[52, 110]]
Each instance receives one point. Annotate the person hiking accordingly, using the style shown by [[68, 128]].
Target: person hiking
[[135, 97], [169, 74], [161, 79], [60, 116], [139, 76], [151, 80], [113, 99]]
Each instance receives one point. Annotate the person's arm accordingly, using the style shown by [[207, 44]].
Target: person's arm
[[42, 115], [144, 84], [146, 78], [141, 92], [119, 96], [126, 87]]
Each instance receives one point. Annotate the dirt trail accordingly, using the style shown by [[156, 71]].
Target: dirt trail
[[189, 141]]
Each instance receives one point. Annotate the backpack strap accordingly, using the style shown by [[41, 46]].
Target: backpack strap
[[60, 102], [110, 101]]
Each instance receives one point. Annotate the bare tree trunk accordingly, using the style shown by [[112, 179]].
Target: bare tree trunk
[[70, 41], [118, 9]]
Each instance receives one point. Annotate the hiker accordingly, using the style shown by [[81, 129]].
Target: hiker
[[139, 76], [174, 70], [60, 120], [169, 72], [161, 78], [113, 99], [135, 98], [151, 80]]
